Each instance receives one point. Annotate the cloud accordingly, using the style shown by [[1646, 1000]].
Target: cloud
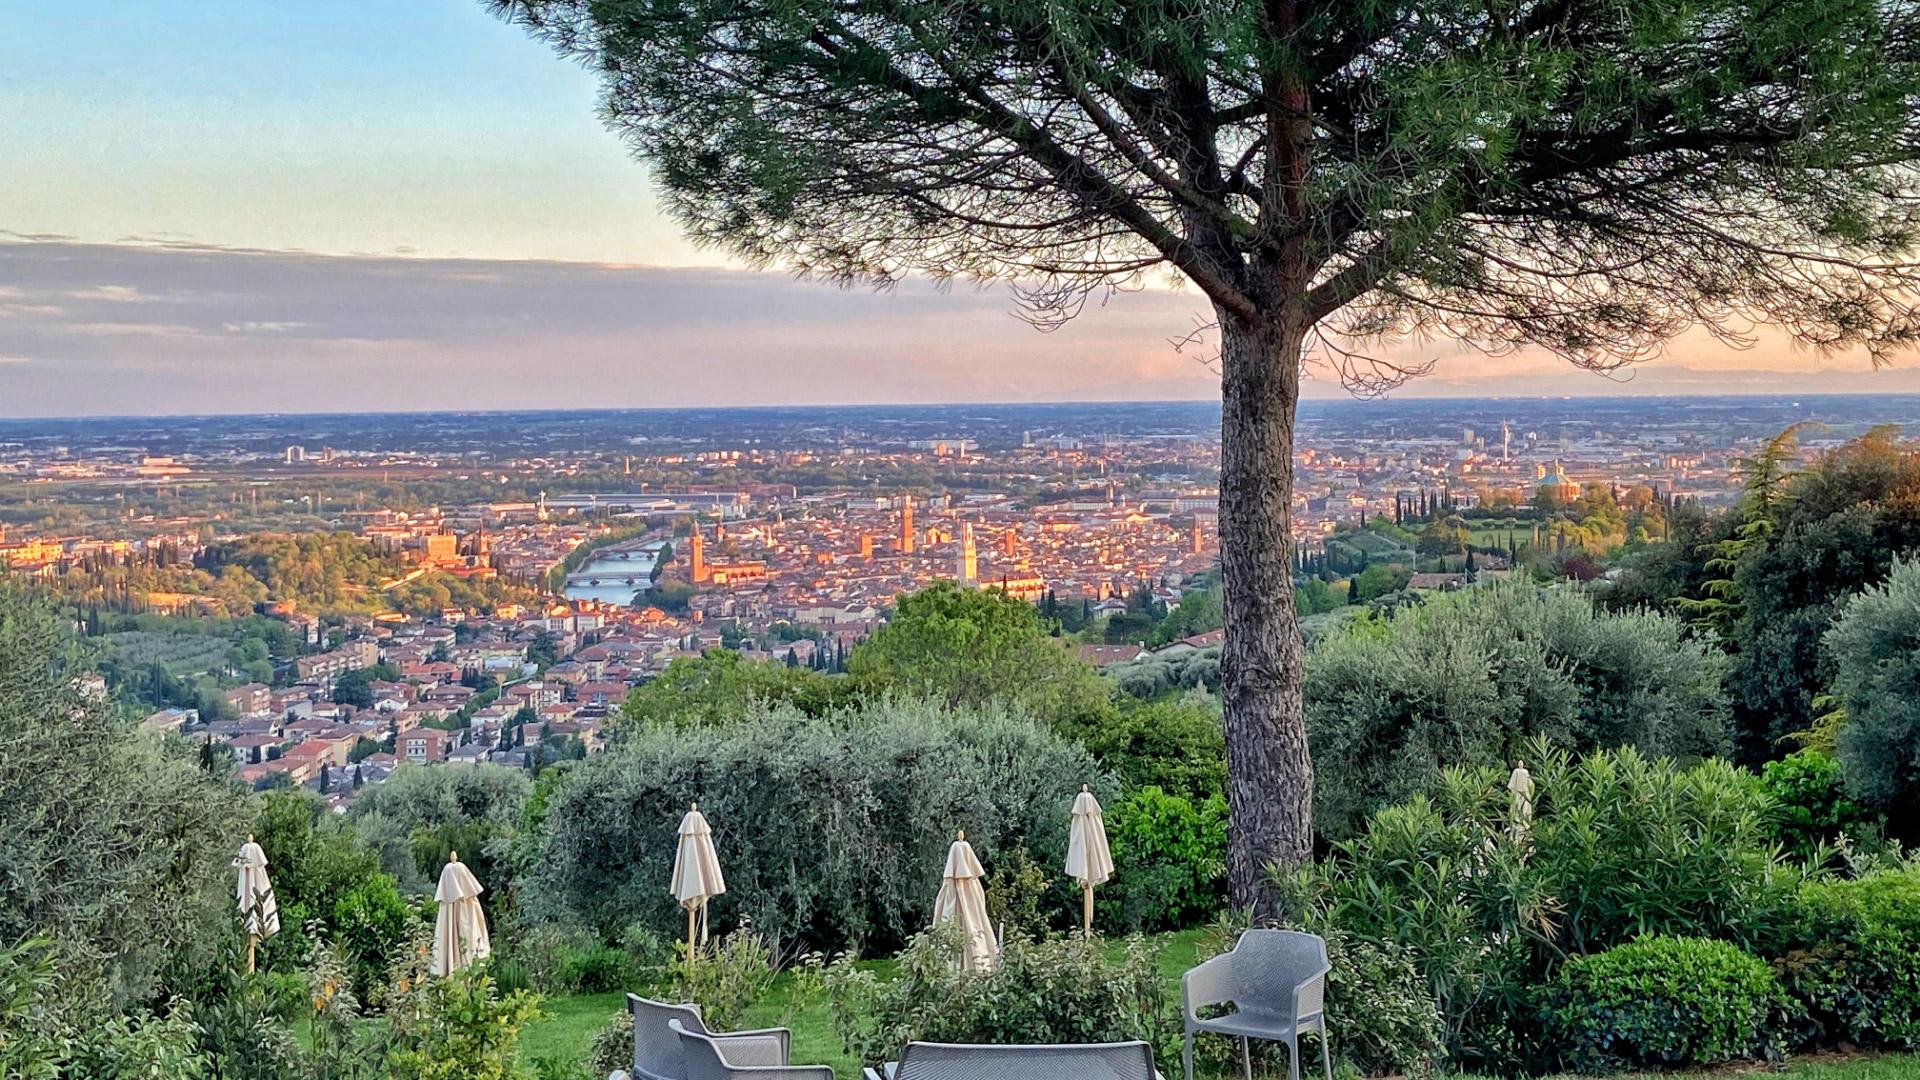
[[246, 330]]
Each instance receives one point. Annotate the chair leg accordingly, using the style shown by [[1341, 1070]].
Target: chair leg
[[1293, 1056], [1246, 1058], [1186, 1053], [1326, 1054]]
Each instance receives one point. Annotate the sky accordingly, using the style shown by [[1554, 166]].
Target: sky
[[225, 206]]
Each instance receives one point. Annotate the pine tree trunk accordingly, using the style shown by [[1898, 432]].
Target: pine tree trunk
[[1269, 771]]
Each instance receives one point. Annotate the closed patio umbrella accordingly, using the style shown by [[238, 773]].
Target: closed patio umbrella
[[254, 893], [460, 929], [1088, 860], [696, 874], [963, 902], [1520, 786]]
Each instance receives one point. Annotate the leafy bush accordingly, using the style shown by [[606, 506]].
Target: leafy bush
[[1170, 861], [831, 830], [612, 1046], [727, 977], [414, 819], [974, 647], [118, 846], [40, 1041], [601, 969], [1662, 1002], [1875, 647], [1381, 1018], [1855, 959], [1811, 807], [458, 1028], [1621, 846], [1176, 745], [1059, 990], [1469, 678]]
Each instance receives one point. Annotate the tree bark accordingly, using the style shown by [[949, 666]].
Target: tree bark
[[1269, 771]]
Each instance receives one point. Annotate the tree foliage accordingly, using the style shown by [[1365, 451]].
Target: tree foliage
[[1467, 678], [117, 846], [970, 647], [1876, 648], [1591, 177], [832, 829]]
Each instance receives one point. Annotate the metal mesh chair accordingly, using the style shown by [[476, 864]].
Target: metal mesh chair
[[658, 1055], [1275, 981], [720, 1057], [1079, 1061]]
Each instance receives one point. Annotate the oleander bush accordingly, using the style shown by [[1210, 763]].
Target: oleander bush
[[1854, 959], [1665, 1002], [1621, 846], [1055, 990], [832, 830]]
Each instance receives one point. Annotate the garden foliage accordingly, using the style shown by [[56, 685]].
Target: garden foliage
[[1056, 990], [1661, 1002], [832, 830], [1470, 678]]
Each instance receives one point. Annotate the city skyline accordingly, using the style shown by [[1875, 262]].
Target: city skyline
[[208, 203]]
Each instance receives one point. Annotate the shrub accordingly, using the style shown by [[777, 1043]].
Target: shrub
[[1810, 804], [1059, 990], [612, 1046], [1855, 960], [1170, 861], [1621, 846], [1381, 1018], [458, 1028], [1469, 678], [601, 969], [831, 830], [1663, 1002], [1875, 646], [726, 979], [118, 846], [1176, 745]]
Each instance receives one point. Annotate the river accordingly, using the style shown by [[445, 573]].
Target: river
[[618, 565]]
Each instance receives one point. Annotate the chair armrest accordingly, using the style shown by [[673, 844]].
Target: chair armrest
[[1310, 995], [869, 1074], [782, 1072], [766, 1046], [1204, 985], [619, 1074]]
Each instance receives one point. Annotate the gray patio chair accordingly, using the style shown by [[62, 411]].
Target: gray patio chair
[[1081, 1061], [1276, 981], [658, 1055], [717, 1057]]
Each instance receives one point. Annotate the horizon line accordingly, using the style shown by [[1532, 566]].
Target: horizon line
[[1094, 402]]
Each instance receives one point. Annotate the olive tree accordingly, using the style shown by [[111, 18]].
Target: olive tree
[[1589, 177]]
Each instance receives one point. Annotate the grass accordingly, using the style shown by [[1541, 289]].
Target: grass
[[569, 1028], [1821, 1067], [567, 1032]]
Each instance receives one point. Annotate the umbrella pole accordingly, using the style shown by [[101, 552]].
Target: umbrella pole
[[1086, 907], [251, 942], [692, 945]]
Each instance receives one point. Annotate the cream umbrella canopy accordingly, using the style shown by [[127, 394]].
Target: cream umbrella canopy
[[254, 893], [1088, 860], [1520, 786], [460, 929], [963, 902], [696, 873]]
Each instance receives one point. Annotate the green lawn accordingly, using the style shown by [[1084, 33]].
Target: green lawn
[[569, 1028], [567, 1032]]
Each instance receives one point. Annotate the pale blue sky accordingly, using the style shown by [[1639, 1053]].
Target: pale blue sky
[[340, 126], [142, 141]]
